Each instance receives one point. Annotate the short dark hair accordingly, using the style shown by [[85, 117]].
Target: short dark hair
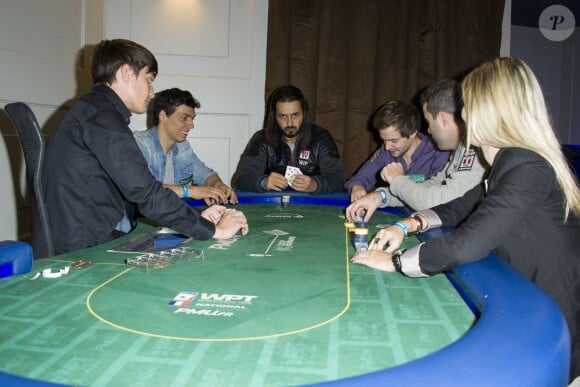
[[288, 93], [110, 55], [404, 117], [170, 99], [441, 96]]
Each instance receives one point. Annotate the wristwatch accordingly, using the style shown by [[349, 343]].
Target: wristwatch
[[396, 257]]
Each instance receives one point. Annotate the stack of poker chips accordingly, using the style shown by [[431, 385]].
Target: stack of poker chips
[[285, 201], [361, 232], [163, 259]]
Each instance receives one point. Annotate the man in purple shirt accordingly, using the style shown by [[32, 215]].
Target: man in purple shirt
[[398, 127]]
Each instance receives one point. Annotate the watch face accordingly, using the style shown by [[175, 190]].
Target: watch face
[[397, 261], [396, 257]]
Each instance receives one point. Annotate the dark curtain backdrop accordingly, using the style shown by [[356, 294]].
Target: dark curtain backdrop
[[349, 57]]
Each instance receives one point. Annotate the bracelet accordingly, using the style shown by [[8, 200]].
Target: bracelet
[[383, 196], [420, 221], [185, 192], [261, 184], [402, 227]]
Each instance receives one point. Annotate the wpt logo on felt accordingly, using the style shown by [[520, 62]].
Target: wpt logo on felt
[[183, 299]]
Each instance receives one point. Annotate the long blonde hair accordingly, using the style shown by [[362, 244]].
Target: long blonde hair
[[505, 107]]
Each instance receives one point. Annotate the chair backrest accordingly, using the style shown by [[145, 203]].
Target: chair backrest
[[30, 135]]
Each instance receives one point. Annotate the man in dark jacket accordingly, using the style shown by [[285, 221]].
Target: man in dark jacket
[[95, 170], [289, 142]]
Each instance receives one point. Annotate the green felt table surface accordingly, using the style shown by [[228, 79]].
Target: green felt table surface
[[302, 314]]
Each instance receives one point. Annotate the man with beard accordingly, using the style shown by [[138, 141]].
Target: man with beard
[[290, 140]]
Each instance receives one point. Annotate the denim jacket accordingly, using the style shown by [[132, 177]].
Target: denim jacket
[[187, 167]]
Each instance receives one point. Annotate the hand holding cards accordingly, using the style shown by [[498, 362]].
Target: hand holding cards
[[291, 172], [299, 181]]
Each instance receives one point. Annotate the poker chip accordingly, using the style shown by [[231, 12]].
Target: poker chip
[[285, 201], [350, 226], [48, 273]]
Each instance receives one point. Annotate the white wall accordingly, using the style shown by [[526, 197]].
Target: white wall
[[214, 48], [39, 45]]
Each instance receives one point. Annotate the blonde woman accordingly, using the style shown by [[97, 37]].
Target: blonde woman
[[527, 210]]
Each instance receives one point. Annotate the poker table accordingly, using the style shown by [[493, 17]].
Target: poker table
[[280, 306]]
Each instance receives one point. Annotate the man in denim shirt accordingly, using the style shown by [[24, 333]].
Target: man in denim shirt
[[169, 155]]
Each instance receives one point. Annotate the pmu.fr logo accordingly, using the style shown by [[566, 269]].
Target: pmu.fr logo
[[183, 299]]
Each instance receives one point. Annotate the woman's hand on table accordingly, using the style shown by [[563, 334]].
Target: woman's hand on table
[[375, 259], [391, 236]]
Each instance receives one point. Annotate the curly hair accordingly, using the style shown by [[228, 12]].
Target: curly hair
[[168, 100]]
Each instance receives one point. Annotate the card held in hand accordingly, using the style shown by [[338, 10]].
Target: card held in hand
[[291, 172]]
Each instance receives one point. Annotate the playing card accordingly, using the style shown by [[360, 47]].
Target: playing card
[[291, 172]]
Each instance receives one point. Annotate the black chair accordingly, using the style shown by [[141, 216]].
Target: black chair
[[30, 135]]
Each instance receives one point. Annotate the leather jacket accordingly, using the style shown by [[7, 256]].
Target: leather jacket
[[319, 159]]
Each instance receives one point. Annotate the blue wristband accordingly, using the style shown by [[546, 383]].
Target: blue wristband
[[185, 192], [383, 196], [262, 182], [402, 227]]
